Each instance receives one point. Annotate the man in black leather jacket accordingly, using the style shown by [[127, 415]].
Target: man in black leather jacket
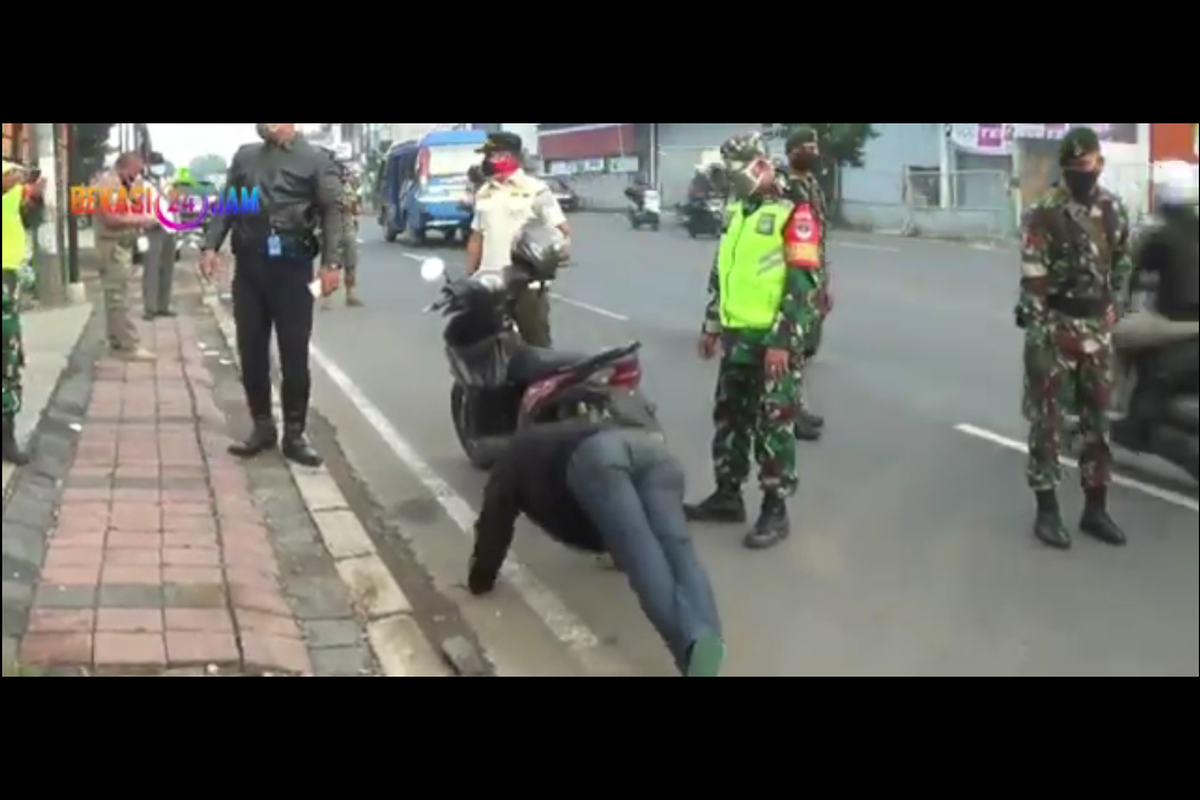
[[299, 187], [1171, 255]]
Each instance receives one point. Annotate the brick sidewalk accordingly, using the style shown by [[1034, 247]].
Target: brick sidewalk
[[159, 559]]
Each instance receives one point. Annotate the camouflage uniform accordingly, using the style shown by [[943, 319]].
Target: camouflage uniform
[[752, 411], [1075, 265], [14, 352], [804, 189], [351, 206]]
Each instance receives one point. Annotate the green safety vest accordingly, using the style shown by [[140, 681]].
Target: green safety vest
[[13, 229], [751, 265]]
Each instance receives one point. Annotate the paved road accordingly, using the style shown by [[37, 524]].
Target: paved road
[[911, 554]]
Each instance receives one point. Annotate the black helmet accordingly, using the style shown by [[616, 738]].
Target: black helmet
[[540, 249]]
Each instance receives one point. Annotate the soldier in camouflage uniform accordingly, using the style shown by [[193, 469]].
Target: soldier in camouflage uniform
[[758, 313], [351, 208], [14, 364], [804, 189], [1075, 263]]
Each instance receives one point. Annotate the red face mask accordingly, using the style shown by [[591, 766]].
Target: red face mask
[[501, 166]]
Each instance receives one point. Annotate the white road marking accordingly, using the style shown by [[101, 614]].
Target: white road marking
[[560, 298], [562, 622], [1166, 495], [589, 307], [879, 248]]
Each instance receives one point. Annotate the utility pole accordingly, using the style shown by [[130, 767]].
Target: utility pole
[[48, 238], [74, 178], [944, 164]]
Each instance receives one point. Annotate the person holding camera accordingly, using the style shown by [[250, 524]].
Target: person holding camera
[[117, 233], [507, 200]]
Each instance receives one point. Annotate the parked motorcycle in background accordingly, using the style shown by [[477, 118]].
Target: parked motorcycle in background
[[704, 216], [647, 207]]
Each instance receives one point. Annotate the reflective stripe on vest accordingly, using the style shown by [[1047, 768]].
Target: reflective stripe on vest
[[13, 229], [751, 265]]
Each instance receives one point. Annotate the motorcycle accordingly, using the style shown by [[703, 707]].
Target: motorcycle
[[705, 217], [502, 386], [646, 210], [1175, 437]]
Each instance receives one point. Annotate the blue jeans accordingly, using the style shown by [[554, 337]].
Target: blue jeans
[[631, 488]]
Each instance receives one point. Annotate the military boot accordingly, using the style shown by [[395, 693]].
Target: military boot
[[262, 438], [772, 525], [297, 448], [1096, 522], [725, 505], [1048, 525], [352, 298], [808, 426], [12, 453]]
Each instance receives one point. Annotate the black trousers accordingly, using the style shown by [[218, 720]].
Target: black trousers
[[273, 293], [631, 488]]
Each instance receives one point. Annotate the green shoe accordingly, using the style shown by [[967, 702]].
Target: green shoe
[[706, 657]]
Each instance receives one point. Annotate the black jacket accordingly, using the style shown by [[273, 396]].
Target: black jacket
[[1172, 252], [531, 479], [300, 186]]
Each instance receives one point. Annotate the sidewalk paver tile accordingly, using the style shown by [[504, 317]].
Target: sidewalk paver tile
[[162, 551]]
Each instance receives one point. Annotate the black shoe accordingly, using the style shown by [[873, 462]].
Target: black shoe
[[298, 449], [150, 316], [725, 505], [806, 431], [812, 420], [1048, 525], [12, 453], [1096, 522], [167, 314], [264, 437], [772, 525]]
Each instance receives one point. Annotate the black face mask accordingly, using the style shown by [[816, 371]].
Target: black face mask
[[1080, 184], [487, 169], [805, 162]]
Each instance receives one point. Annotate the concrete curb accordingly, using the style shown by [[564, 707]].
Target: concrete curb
[[396, 639]]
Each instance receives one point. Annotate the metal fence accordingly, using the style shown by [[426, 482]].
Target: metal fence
[[977, 204]]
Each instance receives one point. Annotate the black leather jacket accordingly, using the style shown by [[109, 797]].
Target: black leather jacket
[[1172, 253], [299, 189]]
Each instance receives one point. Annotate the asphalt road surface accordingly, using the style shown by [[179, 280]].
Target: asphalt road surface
[[911, 552]]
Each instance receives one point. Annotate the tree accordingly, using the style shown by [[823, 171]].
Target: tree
[[206, 167], [91, 142], [843, 145]]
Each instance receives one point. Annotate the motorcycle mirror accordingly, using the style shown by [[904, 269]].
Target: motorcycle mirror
[[432, 269]]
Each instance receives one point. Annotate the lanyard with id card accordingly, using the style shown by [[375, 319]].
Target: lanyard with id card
[[274, 245]]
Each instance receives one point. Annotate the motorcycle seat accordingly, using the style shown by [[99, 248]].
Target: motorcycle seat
[[531, 364], [1186, 412]]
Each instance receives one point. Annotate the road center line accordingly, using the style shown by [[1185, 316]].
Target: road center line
[[879, 248], [562, 622], [1166, 495], [604, 312]]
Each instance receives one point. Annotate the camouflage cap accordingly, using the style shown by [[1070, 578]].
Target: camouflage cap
[[800, 137], [744, 147], [1078, 142]]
